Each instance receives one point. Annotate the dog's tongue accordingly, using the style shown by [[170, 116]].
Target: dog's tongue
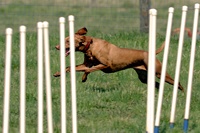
[[67, 53]]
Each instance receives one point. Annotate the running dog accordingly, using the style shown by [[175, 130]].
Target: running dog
[[109, 58]]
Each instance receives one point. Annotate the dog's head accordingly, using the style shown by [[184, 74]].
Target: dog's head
[[82, 43]]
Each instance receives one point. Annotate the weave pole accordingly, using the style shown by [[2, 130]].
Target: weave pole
[[164, 67], [151, 71], [190, 75], [22, 30], [6, 107], [63, 74], [178, 65], [47, 76], [73, 73], [40, 75]]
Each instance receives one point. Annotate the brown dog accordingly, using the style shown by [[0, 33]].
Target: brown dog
[[102, 55]]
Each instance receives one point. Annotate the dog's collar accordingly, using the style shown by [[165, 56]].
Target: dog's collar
[[87, 46]]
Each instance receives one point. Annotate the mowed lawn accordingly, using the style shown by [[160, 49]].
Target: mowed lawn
[[106, 103]]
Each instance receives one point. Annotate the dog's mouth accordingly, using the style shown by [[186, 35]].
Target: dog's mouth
[[67, 51]]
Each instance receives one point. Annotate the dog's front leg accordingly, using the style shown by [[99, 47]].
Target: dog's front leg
[[96, 68], [84, 77], [92, 69], [79, 68]]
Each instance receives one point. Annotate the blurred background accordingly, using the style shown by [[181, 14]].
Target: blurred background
[[104, 103], [106, 16]]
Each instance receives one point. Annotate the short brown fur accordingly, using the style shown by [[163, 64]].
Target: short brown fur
[[107, 57]]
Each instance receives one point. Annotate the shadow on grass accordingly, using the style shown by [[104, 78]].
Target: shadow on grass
[[102, 89]]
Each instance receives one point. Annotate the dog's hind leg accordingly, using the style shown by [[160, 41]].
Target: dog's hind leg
[[169, 80], [142, 75]]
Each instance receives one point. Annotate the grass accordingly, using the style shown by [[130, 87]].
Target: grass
[[14, 15], [106, 102], [99, 15]]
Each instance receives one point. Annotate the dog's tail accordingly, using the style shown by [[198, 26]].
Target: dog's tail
[[161, 48], [188, 30]]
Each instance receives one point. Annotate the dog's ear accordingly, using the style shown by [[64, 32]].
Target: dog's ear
[[88, 40], [83, 39], [81, 31]]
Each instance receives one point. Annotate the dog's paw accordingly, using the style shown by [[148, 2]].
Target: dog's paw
[[84, 78], [57, 74]]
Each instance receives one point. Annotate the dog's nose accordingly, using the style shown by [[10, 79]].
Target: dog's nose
[[58, 47]]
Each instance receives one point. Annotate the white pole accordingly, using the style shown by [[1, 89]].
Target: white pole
[[63, 74], [151, 71], [164, 66], [47, 77], [22, 30], [40, 76], [178, 65], [190, 75], [73, 73], [7, 80]]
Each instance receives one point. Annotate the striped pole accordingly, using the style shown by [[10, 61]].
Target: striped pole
[[178, 65], [151, 72], [63, 74], [73, 73], [6, 107], [22, 31], [47, 77], [164, 67], [190, 75], [40, 76]]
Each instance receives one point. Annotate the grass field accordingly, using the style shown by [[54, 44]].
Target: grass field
[[106, 102], [100, 15]]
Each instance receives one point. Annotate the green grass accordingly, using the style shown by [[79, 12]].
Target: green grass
[[93, 16], [106, 102], [105, 16]]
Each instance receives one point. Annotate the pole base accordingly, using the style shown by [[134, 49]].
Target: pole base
[[171, 125], [156, 129], [185, 125]]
